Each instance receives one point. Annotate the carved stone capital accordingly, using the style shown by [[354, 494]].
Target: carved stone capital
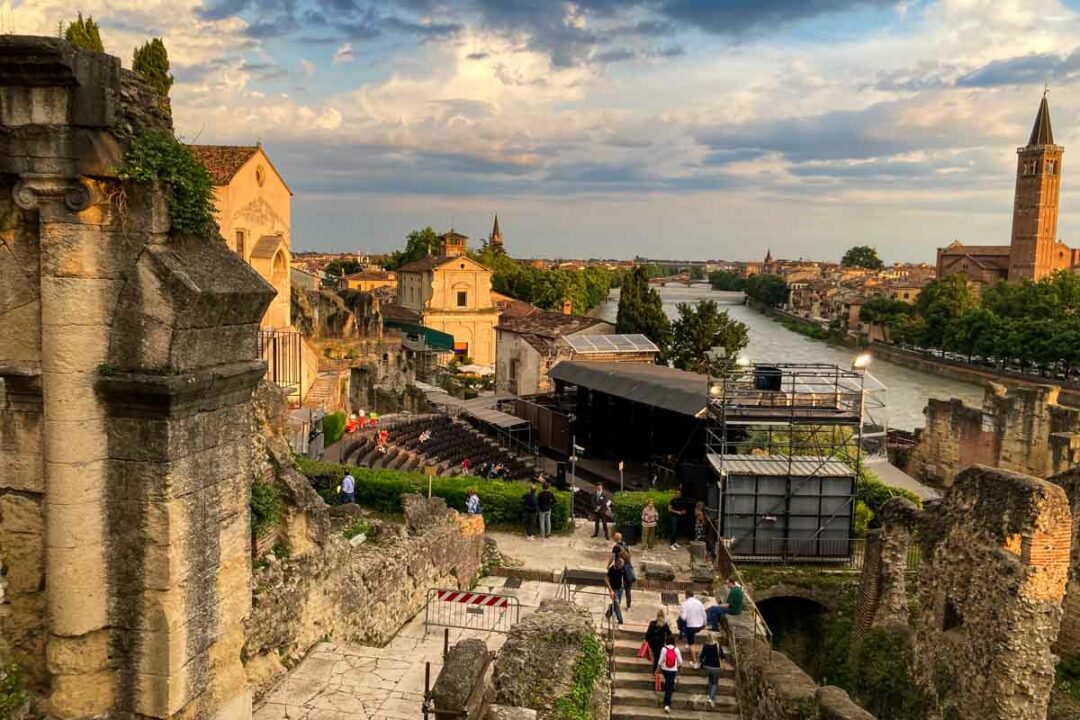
[[33, 190]]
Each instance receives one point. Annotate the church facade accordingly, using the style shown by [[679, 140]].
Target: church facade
[[1034, 251]]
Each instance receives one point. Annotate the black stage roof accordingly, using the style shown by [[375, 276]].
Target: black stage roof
[[664, 387]]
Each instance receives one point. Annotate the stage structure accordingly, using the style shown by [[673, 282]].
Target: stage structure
[[786, 442]]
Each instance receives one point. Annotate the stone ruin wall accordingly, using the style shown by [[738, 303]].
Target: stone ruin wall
[[882, 600], [328, 588], [1024, 430], [127, 358], [771, 686], [1068, 642], [995, 561]]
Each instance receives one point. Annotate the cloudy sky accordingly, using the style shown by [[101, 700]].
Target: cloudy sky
[[609, 128]]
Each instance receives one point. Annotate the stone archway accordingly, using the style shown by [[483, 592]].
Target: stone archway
[[797, 623]]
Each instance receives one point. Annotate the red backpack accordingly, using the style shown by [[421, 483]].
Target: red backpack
[[670, 659]]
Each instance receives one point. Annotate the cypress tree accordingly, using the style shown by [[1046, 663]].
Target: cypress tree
[[151, 62], [641, 311], [84, 34]]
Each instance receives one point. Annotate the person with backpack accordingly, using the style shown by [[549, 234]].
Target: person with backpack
[[546, 501], [711, 655], [532, 511], [670, 662], [656, 636]]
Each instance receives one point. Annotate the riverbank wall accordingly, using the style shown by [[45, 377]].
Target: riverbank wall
[[963, 372], [1069, 395]]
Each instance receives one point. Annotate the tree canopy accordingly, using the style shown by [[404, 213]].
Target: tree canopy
[[84, 34], [641, 310], [418, 244], [700, 328], [1026, 323], [151, 62], [769, 289], [546, 288], [727, 280], [862, 256]]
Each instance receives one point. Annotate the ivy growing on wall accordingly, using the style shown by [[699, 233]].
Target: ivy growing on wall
[[266, 507], [576, 704], [156, 155]]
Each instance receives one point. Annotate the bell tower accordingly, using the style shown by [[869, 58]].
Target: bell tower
[[1035, 210]]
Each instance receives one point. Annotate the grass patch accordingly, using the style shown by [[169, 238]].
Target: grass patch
[[358, 527]]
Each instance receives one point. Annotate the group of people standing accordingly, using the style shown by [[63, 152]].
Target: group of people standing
[[538, 507]]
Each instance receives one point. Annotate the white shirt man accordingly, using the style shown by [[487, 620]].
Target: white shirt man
[[694, 619], [348, 489]]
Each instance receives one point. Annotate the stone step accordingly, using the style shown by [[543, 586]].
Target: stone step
[[635, 712], [687, 681], [684, 698]]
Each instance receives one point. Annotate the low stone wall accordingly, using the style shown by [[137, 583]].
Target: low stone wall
[[535, 667], [357, 594], [772, 687]]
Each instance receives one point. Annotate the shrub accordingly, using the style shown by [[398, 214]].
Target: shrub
[[880, 671], [381, 490], [627, 507], [576, 704], [359, 527], [157, 155], [333, 427], [13, 695], [266, 506], [874, 493]]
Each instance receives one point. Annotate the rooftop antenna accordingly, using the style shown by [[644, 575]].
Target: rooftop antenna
[[1046, 87]]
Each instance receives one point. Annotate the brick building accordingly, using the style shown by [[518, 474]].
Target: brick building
[[1034, 250]]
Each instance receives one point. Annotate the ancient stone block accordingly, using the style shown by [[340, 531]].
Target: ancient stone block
[[463, 669], [84, 695], [658, 571], [79, 655], [502, 712]]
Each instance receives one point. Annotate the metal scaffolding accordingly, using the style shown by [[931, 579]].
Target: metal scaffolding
[[787, 442]]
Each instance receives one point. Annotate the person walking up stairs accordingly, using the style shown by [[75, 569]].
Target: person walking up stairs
[[634, 695]]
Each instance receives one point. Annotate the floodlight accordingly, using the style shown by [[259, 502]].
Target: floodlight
[[743, 361], [860, 362]]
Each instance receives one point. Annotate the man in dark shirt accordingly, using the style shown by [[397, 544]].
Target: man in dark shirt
[[532, 510], [676, 509], [600, 507], [614, 582]]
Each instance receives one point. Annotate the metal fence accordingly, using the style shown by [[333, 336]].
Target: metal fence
[[488, 612]]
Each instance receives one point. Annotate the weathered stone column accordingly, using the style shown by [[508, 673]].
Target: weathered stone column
[[135, 459]]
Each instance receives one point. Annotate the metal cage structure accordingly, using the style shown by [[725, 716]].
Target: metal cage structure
[[787, 442]]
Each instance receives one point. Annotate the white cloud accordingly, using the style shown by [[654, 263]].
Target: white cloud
[[308, 66], [343, 54]]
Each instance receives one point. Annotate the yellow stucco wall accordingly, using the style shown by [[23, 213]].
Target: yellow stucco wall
[[259, 209], [434, 294]]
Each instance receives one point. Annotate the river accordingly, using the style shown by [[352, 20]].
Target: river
[[907, 389]]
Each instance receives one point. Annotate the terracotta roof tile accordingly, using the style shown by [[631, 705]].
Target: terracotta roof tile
[[223, 161], [547, 324]]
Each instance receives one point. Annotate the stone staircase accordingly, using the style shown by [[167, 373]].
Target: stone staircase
[[324, 392], [634, 695]]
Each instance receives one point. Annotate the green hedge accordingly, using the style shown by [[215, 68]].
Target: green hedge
[[627, 507], [333, 427], [381, 490]]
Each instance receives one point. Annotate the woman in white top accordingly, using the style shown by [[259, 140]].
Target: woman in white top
[[670, 662]]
